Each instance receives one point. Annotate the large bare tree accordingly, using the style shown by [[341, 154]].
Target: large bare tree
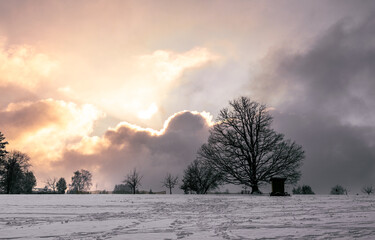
[[133, 179], [246, 150]]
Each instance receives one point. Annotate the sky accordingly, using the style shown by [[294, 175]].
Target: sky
[[109, 86]]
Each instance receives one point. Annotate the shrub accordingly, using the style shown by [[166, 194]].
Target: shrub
[[305, 189], [338, 190]]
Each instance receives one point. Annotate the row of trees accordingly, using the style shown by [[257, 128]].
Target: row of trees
[[16, 176], [81, 183], [335, 190], [133, 181], [242, 149]]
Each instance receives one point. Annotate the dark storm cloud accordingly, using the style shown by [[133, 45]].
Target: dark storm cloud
[[153, 155], [325, 101]]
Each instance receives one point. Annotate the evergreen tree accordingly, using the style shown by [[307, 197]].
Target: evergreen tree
[[61, 186]]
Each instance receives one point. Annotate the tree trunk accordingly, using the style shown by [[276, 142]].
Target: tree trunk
[[170, 190], [255, 189]]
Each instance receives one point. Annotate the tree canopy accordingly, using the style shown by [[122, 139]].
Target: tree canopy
[[81, 181], [61, 186]]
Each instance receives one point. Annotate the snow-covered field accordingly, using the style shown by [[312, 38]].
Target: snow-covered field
[[186, 217]]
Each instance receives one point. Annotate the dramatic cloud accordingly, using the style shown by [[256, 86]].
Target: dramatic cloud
[[20, 65], [325, 99], [153, 153], [45, 127]]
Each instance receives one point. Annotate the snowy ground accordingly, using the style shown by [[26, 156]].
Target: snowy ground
[[186, 217]]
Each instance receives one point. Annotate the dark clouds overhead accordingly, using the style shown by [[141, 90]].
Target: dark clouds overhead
[[325, 101]]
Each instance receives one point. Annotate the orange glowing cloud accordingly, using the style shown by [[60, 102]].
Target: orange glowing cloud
[[44, 128], [21, 65]]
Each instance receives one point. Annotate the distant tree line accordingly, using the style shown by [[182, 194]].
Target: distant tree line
[[242, 149]]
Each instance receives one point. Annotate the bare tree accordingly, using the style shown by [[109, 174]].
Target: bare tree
[[200, 178], [51, 183], [170, 182], [368, 189], [246, 150], [133, 179]]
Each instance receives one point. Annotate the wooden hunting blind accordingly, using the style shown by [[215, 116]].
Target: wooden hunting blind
[[278, 186]]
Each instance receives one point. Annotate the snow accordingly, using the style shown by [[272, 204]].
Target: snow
[[186, 217]]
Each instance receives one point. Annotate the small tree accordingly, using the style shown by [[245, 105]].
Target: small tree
[[51, 183], [338, 190], [170, 182], [29, 182], [200, 178], [61, 186], [133, 179], [368, 189], [305, 189], [81, 181]]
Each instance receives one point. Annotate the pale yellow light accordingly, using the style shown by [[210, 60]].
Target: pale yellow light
[[147, 114]]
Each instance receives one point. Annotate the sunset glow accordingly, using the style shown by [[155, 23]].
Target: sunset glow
[[112, 85]]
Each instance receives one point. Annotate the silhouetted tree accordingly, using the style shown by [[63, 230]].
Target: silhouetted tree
[[13, 169], [199, 177], [3, 152], [28, 182], [81, 181], [61, 186], [133, 179], [368, 189], [305, 189], [246, 150], [51, 183], [338, 190], [122, 189], [170, 182]]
